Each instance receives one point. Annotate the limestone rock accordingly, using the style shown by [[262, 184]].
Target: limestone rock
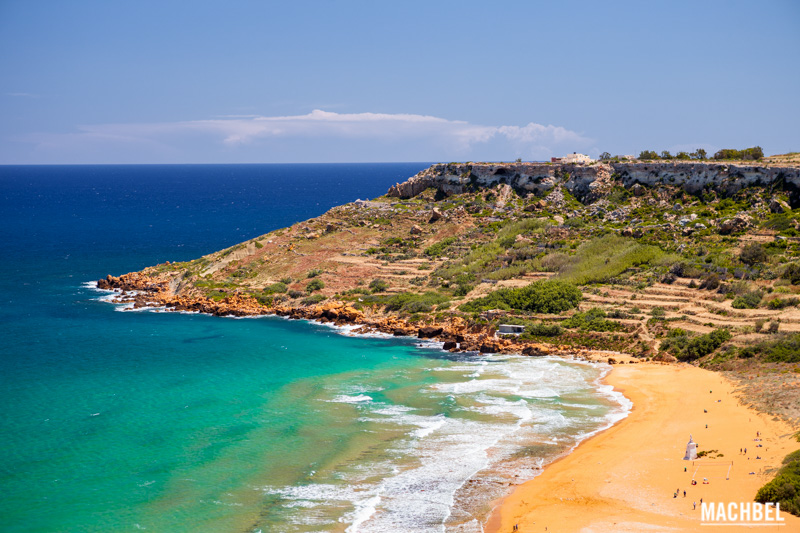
[[428, 332], [435, 215], [416, 230], [738, 223], [779, 206]]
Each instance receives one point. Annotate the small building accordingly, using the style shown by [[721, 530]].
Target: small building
[[575, 157], [510, 329]]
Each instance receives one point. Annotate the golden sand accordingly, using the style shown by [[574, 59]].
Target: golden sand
[[625, 478]]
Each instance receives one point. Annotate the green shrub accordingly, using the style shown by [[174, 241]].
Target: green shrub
[[547, 296], [792, 273], [711, 282], [416, 303], [592, 320], [436, 250], [658, 312], [295, 294], [314, 285], [287, 280], [749, 300], [314, 273], [378, 285], [541, 329], [686, 348], [753, 254], [780, 303], [313, 299], [785, 488]]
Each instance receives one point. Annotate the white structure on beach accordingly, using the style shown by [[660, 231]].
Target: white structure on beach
[[691, 450]]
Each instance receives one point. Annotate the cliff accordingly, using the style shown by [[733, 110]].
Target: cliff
[[591, 182]]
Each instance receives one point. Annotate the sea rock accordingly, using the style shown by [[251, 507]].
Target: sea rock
[[450, 345], [429, 332]]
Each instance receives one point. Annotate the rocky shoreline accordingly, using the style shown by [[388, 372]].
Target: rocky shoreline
[[456, 334]]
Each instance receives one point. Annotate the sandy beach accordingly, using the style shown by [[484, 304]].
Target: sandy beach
[[625, 478]]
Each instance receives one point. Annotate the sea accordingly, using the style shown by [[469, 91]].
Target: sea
[[119, 421]]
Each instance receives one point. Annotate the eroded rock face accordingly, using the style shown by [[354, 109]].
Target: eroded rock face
[[588, 183]]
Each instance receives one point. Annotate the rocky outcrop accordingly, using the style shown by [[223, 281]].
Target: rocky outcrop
[[456, 334], [591, 182]]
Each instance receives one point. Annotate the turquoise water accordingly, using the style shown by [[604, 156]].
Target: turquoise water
[[121, 421]]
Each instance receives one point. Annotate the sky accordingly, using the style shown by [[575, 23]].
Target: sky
[[96, 82]]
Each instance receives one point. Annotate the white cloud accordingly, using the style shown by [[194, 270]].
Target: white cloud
[[413, 137]]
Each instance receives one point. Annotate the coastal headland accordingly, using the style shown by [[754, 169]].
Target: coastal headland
[[662, 269]]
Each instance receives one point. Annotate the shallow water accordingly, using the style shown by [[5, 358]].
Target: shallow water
[[114, 421]]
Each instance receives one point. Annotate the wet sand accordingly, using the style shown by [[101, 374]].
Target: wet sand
[[624, 478]]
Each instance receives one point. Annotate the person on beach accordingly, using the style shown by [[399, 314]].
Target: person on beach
[[684, 494], [694, 506]]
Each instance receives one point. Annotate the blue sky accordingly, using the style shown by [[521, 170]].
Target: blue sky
[[248, 82]]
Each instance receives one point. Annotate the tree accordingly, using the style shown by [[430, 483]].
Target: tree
[[666, 155], [648, 154], [605, 156], [699, 154], [682, 156]]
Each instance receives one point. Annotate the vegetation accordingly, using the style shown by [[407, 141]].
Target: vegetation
[[538, 297], [748, 154], [784, 349], [601, 259], [592, 320], [749, 300], [752, 254], [785, 488], [686, 348], [436, 250], [314, 285]]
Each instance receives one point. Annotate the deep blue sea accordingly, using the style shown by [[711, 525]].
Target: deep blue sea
[[123, 421]]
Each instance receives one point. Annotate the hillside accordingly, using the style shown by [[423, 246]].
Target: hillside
[[675, 261]]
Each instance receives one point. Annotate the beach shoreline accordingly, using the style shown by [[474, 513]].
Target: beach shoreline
[[625, 477]]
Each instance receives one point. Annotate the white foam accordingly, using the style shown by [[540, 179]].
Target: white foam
[[360, 398]]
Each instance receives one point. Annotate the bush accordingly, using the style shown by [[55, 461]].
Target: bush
[[753, 254], [749, 300], [592, 320], [275, 288], [785, 488], [543, 330], [658, 312], [378, 285], [686, 348], [314, 285], [792, 273], [710, 282], [436, 250], [295, 294], [547, 296], [313, 300], [416, 303], [314, 273]]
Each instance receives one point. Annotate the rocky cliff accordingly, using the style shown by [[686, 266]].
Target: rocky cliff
[[590, 182]]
